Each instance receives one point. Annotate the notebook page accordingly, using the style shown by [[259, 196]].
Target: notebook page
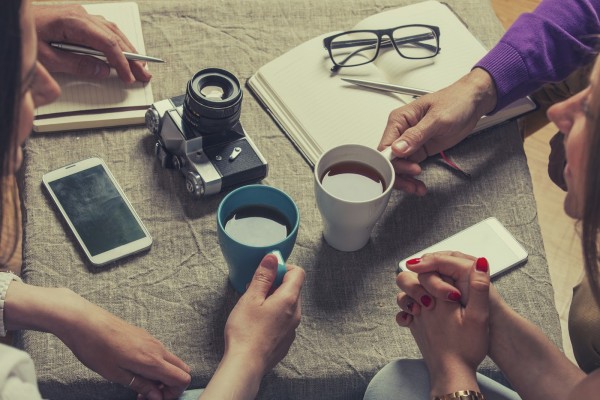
[[80, 94], [460, 50]]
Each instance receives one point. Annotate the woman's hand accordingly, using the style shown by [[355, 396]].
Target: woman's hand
[[453, 339], [259, 332], [434, 123], [72, 24], [115, 349]]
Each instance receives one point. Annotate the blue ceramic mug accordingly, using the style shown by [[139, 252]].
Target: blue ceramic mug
[[244, 251]]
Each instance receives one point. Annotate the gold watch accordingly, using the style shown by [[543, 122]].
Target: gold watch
[[461, 395]]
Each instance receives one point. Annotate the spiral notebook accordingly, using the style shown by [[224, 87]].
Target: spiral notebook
[[318, 111], [92, 103]]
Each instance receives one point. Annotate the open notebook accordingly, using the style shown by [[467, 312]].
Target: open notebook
[[90, 103], [318, 111]]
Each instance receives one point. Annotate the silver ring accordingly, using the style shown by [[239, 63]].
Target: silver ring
[[131, 383]]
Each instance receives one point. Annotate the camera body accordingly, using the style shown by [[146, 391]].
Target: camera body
[[200, 134]]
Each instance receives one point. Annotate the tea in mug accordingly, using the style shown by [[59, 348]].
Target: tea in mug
[[353, 181], [257, 225]]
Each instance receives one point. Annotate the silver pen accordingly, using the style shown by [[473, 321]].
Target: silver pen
[[86, 50], [388, 87]]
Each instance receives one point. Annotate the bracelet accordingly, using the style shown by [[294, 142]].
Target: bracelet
[[461, 395], [6, 279]]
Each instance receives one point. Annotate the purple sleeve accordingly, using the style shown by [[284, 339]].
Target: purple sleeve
[[543, 46]]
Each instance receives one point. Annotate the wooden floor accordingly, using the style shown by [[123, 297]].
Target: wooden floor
[[559, 231]]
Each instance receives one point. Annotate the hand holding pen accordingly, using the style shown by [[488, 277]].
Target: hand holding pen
[[72, 24]]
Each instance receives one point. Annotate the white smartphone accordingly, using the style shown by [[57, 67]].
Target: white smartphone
[[489, 239], [97, 211]]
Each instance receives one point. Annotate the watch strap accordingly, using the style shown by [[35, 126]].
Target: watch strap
[[6, 278], [461, 395]]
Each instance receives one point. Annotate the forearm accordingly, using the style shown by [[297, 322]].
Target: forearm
[[536, 368], [234, 379], [543, 46], [39, 308]]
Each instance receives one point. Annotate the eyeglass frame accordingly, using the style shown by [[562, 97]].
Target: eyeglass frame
[[380, 33]]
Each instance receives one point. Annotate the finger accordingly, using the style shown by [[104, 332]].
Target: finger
[[403, 319], [406, 167], [453, 264], [410, 185], [415, 137], [439, 287], [137, 67], [408, 304], [164, 372], [479, 288], [145, 387], [409, 283], [176, 361], [292, 284], [399, 121], [75, 64], [263, 278]]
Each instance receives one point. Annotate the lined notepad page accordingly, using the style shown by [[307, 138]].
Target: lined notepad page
[[80, 94]]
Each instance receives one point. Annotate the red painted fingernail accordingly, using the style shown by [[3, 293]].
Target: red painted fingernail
[[426, 300], [410, 306], [454, 296], [413, 261], [482, 264]]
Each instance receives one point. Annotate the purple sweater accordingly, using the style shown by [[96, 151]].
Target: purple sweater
[[543, 46]]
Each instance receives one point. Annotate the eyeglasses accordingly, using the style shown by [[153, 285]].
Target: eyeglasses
[[353, 48]]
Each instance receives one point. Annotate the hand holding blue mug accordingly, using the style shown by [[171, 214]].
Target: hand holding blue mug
[[253, 221]]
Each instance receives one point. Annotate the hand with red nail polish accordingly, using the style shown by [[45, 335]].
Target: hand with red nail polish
[[453, 338]]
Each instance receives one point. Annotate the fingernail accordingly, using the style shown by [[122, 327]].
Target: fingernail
[[426, 300], [482, 264], [400, 146], [410, 306], [413, 261], [270, 262], [454, 296]]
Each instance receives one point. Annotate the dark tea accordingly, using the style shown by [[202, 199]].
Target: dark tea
[[353, 181], [257, 225]]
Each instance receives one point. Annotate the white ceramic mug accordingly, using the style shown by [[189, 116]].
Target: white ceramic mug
[[347, 224]]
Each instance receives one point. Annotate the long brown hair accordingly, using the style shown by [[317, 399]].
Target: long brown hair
[[10, 93], [590, 221]]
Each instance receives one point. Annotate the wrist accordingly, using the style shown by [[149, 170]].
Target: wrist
[[455, 376], [484, 89], [235, 377], [39, 308]]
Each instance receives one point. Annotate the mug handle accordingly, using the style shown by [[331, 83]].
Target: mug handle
[[281, 268]]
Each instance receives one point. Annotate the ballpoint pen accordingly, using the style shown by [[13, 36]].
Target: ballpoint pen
[[388, 87], [86, 50]]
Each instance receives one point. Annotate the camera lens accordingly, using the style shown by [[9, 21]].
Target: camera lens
[[213, 101]]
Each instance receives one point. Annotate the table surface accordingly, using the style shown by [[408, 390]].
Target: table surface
[[179, 290]]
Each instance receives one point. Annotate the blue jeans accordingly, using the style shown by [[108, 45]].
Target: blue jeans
[[409, 379]]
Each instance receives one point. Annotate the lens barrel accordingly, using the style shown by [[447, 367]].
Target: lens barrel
[[213, 102]]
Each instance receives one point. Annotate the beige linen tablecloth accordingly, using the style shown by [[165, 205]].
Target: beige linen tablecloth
[[179, 290]]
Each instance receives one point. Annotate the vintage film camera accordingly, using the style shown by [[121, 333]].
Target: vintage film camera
[[200, 134]]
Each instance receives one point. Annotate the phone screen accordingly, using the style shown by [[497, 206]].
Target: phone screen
[[96, 209], [489, 239]]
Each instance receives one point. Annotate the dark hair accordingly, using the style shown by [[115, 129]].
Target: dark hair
[[590, 221], [10, 93]]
